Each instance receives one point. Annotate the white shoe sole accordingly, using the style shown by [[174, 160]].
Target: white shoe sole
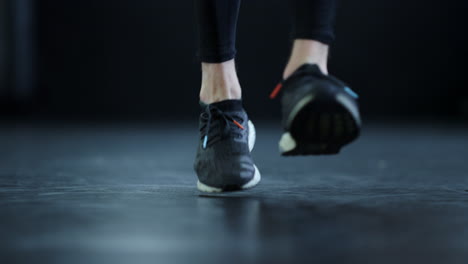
[[252, 183]]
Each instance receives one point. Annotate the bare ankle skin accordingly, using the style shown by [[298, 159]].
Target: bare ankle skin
[[307, 51], [219, 82]]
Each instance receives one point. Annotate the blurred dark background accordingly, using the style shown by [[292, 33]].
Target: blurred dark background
[[78, 186], [136, 59]]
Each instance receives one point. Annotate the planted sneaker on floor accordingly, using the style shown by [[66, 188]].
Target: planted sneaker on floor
[[223, 161]]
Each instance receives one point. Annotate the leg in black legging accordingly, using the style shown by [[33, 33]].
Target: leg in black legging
[[217, 20], [314, 19], [313, 22]]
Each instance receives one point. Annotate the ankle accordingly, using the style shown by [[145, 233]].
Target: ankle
[[307, 51], [219, 82]]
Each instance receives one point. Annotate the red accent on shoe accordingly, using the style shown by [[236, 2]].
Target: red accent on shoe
[[275, 91], [237, 124]]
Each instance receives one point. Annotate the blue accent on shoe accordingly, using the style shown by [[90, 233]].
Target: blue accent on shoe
[[205, 140], [351, 92]]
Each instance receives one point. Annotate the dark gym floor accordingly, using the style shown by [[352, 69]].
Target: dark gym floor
[[125, 193]]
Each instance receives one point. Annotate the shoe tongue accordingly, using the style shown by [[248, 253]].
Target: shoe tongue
[[227, 105], [310, 67]]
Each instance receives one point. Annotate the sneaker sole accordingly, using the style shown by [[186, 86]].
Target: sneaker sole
[[320, 125], [252, 183]]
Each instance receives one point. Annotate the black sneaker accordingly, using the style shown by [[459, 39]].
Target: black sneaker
[[223, 161], [320, 113]]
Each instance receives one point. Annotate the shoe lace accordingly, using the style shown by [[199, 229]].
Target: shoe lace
[[212, 111], [277, 89]]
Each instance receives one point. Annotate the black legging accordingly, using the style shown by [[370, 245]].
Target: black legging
[[217, 20]]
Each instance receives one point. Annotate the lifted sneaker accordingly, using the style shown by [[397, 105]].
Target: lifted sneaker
[[320, 113], [223, 161]]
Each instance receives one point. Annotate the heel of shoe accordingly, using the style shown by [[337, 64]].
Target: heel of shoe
[[320, 126]]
